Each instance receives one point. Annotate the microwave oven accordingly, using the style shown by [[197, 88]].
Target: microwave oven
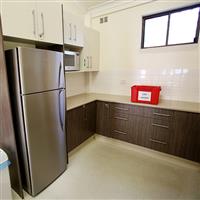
[[71, 60]]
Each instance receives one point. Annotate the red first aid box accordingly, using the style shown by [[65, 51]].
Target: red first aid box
[[145, 94]]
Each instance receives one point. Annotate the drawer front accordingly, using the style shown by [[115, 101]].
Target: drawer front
[[119, 107], [141, 111], [120, 127], [158, 146], [162, 114], [160, 134]]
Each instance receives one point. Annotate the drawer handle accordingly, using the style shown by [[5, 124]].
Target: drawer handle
[[119, 108], [158, 141], [158, 125], [121, 118], [121, 132], [161, 114]]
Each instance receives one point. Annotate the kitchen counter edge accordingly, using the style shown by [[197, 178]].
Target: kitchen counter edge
[[81, 99]]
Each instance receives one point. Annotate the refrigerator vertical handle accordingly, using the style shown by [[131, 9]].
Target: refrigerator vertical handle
[[60, 111], [59, 74]]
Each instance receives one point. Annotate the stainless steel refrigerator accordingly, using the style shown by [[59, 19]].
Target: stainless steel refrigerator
[[37, 85]]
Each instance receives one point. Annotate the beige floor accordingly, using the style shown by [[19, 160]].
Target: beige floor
[[107, 169]]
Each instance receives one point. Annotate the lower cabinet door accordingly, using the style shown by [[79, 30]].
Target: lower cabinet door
[[140, 130], [89, 120], [103, 118], [186, 138]]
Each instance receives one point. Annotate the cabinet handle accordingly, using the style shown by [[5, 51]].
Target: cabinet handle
[[85, 112], [84, 62], [90, 61], [121, 118], [119, 108], [42, 18], [106, 105], [158, 141], [161, 114], [70, 31], [34, 26], [159, 125], [120, 132], [75, 32]]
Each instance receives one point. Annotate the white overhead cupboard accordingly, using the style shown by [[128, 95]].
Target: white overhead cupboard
[[34, 20], [90, 52], [73, 29]]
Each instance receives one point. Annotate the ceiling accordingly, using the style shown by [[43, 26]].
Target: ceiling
[[91, 3]]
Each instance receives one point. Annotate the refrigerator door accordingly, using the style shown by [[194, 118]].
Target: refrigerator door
[[44, 116], [40, 70]]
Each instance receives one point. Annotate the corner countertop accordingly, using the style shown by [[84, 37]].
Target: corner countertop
[[79, 100]]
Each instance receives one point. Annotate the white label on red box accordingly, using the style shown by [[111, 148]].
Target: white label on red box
[[144, 96]]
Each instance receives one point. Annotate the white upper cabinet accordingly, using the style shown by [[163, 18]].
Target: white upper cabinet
[[90, 52], [19, 19], [33, 20], [73, 29], [50, 22]]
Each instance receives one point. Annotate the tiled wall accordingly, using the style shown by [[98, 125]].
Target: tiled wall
[[123, 63], [76, 83]]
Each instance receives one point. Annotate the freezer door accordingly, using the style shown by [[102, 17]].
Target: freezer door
[[44, 116], [40, 70]]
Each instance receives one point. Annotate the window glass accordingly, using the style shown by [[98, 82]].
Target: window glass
[[178, 26], [183, 26], [155, 31]]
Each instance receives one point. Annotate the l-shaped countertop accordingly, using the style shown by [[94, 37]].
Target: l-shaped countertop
[[81, 99]]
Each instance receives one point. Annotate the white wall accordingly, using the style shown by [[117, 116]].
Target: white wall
[[76, 83], [123, 63]]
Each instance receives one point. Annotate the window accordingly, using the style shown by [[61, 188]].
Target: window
[[180, 26]]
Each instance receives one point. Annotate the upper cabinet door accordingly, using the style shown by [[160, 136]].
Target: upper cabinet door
[[73, 29], [50, 27], [19, 19], [90, 52], [68, 28], [94, 41], [78, 31]]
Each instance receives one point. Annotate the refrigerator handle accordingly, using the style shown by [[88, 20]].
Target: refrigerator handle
[[59, 74], [60, 111]]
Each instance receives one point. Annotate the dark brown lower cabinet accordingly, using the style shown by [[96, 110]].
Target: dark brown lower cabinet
[[140, 130], [186, 136], [80, 124], [7, 133], [103, 118], [173, 132], [168, 131]]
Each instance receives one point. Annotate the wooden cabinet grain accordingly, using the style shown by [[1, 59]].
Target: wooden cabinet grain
[[186, 138], [168, 131], [103, 118], [80, 124]]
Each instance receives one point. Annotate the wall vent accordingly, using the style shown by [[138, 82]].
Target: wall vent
[[103, 20]]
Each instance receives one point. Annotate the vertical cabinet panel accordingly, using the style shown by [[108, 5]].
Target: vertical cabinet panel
[[23, 15], [7, 132], [186, 138]]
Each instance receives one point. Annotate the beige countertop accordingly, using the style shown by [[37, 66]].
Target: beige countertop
[[78, 100]]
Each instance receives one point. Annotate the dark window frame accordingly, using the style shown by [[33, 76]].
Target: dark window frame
[[168, 13]]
